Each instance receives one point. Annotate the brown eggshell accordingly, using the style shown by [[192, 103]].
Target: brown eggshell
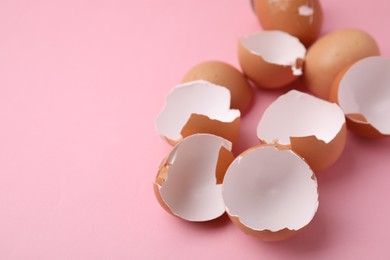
[[301, 18], [315, 151], [198, 107], [223, 74], [313, 128], [211, 151], [263, 71], [356, 122], [260, 187], [330, 54]]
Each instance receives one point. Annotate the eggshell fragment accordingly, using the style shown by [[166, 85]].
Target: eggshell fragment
[[330, 54], [313, 128], [300, 18], [271, 59], [188, 183], [363, 92], [198, 107], [223, 74], [270, 193]]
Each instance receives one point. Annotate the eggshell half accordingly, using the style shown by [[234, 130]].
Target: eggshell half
[[271, 59], [223, 74], [270, 193], [188, 183], [363, 92], [198, 107], [313, 128], [330, 54], [300, 18]]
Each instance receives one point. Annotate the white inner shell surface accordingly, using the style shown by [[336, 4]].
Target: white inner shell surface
[[305, 10], [365, 89], [271, 190], [297, 114], [191, 190], [196, 97], [276, 47]]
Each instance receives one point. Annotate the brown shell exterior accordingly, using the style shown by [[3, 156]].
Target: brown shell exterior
[[262, 73], [162, 175], [284, 15], [225, 75]]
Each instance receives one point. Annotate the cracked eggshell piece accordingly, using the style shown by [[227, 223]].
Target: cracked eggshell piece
[[198, 107], [333, 52], [313, 128], [223, 74], [188, 183], [300, 18], [362, 91], [271, 59], [270, 193]]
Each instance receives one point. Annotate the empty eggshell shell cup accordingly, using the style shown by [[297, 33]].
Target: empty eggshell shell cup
[[198, 107], [313, 128], [271, 59], [270, 193], [363, 92], [188, 183]]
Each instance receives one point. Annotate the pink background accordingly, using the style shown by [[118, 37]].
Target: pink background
[[81, 83]]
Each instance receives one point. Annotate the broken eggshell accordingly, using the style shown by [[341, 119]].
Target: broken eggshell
[[189, 180], [300, 18], [198, 107], [362, 91], [313, 128], [333, 52], [270, 193], [223, 74], [271, 59]]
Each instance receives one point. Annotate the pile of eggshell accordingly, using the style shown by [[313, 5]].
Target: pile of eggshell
[[270, 191]]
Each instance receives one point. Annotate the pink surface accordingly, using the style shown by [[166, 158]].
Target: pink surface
[[81, 83]]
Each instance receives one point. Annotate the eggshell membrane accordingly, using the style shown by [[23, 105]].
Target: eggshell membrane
[[198, 107], [271, 59], [223, 74], [300, 18], [313, 128], [362, 91], [189, 180], [333, 52], [270, 193]]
